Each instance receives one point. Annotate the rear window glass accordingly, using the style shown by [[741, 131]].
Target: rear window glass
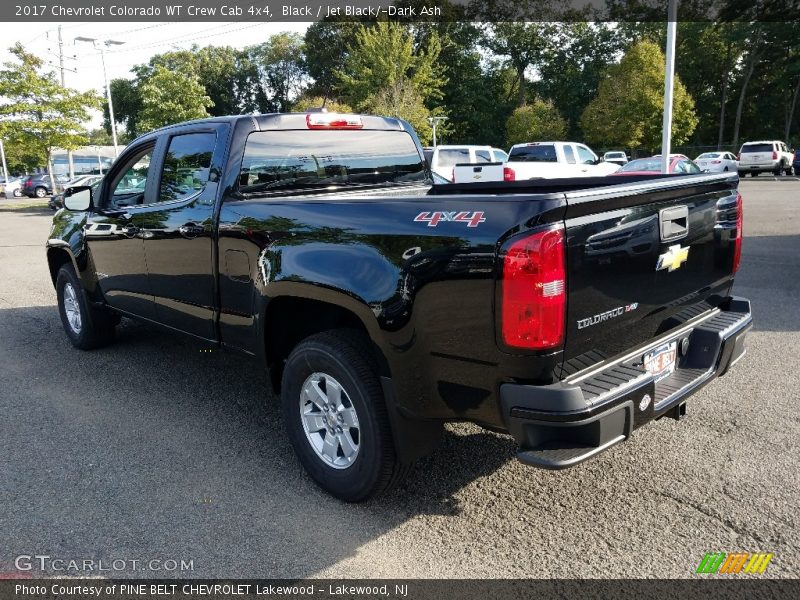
[[450, 156], [709, 155], [537, 153], [643, 164], [757, 148], [303, 159]]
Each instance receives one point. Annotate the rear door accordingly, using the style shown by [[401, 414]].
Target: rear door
[[179, 234], [642, 260], [756, 155]]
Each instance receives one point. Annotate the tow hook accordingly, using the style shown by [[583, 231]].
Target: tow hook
[[678, 412]]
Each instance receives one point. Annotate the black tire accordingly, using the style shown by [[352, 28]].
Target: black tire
[[40, 192], [789, 170], [345, 356], [96, 326]]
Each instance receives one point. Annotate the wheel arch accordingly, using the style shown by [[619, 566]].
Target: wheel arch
[[301, 310]]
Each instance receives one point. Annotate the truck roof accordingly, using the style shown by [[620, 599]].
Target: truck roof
[[293, 121]]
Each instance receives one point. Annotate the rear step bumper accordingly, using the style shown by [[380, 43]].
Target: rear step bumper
[[563, 424]]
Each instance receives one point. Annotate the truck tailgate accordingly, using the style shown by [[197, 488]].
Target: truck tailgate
[[642, 260]]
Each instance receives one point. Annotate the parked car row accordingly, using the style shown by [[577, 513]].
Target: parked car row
[[539, 160]]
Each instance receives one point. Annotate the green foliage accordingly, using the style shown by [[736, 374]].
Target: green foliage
[[306, 102], [171, 97], [279, 71], [537, 121], [628, 108], [326, 45], [37, 114], [384, 74]]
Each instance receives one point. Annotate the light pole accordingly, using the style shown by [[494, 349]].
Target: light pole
[[434, 121], [5, 167], [666, 130], [107, 43]]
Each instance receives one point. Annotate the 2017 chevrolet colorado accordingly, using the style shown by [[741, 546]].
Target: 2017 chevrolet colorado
[[566, 312]]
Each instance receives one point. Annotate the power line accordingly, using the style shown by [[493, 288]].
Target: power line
[[180, 39]]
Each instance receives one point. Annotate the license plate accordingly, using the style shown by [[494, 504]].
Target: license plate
[[660, 363]]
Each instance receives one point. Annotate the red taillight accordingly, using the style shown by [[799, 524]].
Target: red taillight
[[737, 248], [774, 155], [533, 292], [333, 121], [508, 174]]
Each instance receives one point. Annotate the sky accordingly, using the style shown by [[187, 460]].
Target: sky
[[83, 68]]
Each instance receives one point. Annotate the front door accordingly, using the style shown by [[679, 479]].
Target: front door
[[113, 234]]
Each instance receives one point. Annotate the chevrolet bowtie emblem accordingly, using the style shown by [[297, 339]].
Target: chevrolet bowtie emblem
[[673, 258]]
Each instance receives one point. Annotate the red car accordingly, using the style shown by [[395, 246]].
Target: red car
[[651, 166]]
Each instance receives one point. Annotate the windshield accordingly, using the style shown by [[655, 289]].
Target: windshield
[[534, 153], [304, 159]]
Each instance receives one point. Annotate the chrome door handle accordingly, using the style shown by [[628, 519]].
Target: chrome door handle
[[191, 230]]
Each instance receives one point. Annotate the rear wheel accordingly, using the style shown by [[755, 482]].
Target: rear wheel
[[40, 192], [18, 193], [86, 326], [336, 417]]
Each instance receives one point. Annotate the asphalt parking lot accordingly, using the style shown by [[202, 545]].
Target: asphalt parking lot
[[154, 450]]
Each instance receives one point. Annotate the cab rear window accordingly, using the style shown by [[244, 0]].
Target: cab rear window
[[537, 153], [318, 159]]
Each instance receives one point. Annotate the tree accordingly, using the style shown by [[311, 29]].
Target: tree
[[306, 102], [171, 97], [36, 111], [628, 108], [571, 72], [326, 45], [383, 71], [279, 72], [536, 121]]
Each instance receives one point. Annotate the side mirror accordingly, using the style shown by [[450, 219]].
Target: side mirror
[[78, 198]]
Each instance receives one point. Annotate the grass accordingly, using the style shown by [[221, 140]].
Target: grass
[[22, 203]]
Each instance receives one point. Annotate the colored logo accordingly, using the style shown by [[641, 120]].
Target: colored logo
[[736, 562], [673, 258], [472, 219]]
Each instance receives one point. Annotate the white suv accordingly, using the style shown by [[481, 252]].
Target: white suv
[[443, 159], [765, 157]]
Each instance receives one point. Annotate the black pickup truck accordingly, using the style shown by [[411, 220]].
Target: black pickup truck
[[565, 312]]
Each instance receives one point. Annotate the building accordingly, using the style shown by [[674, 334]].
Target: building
[[86, 160]]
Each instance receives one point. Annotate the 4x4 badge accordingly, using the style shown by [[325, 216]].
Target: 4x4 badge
[[673, 258]]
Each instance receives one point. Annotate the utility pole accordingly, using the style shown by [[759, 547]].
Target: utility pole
[[63, 84], [99, 46]]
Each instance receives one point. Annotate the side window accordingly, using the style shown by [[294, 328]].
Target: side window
[[585, 156], [569, 154], [500, 156], [186, 166], [129, 186], [482, 156]]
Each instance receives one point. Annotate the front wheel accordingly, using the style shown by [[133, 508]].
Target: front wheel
[[336, 417], [86, 326]]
